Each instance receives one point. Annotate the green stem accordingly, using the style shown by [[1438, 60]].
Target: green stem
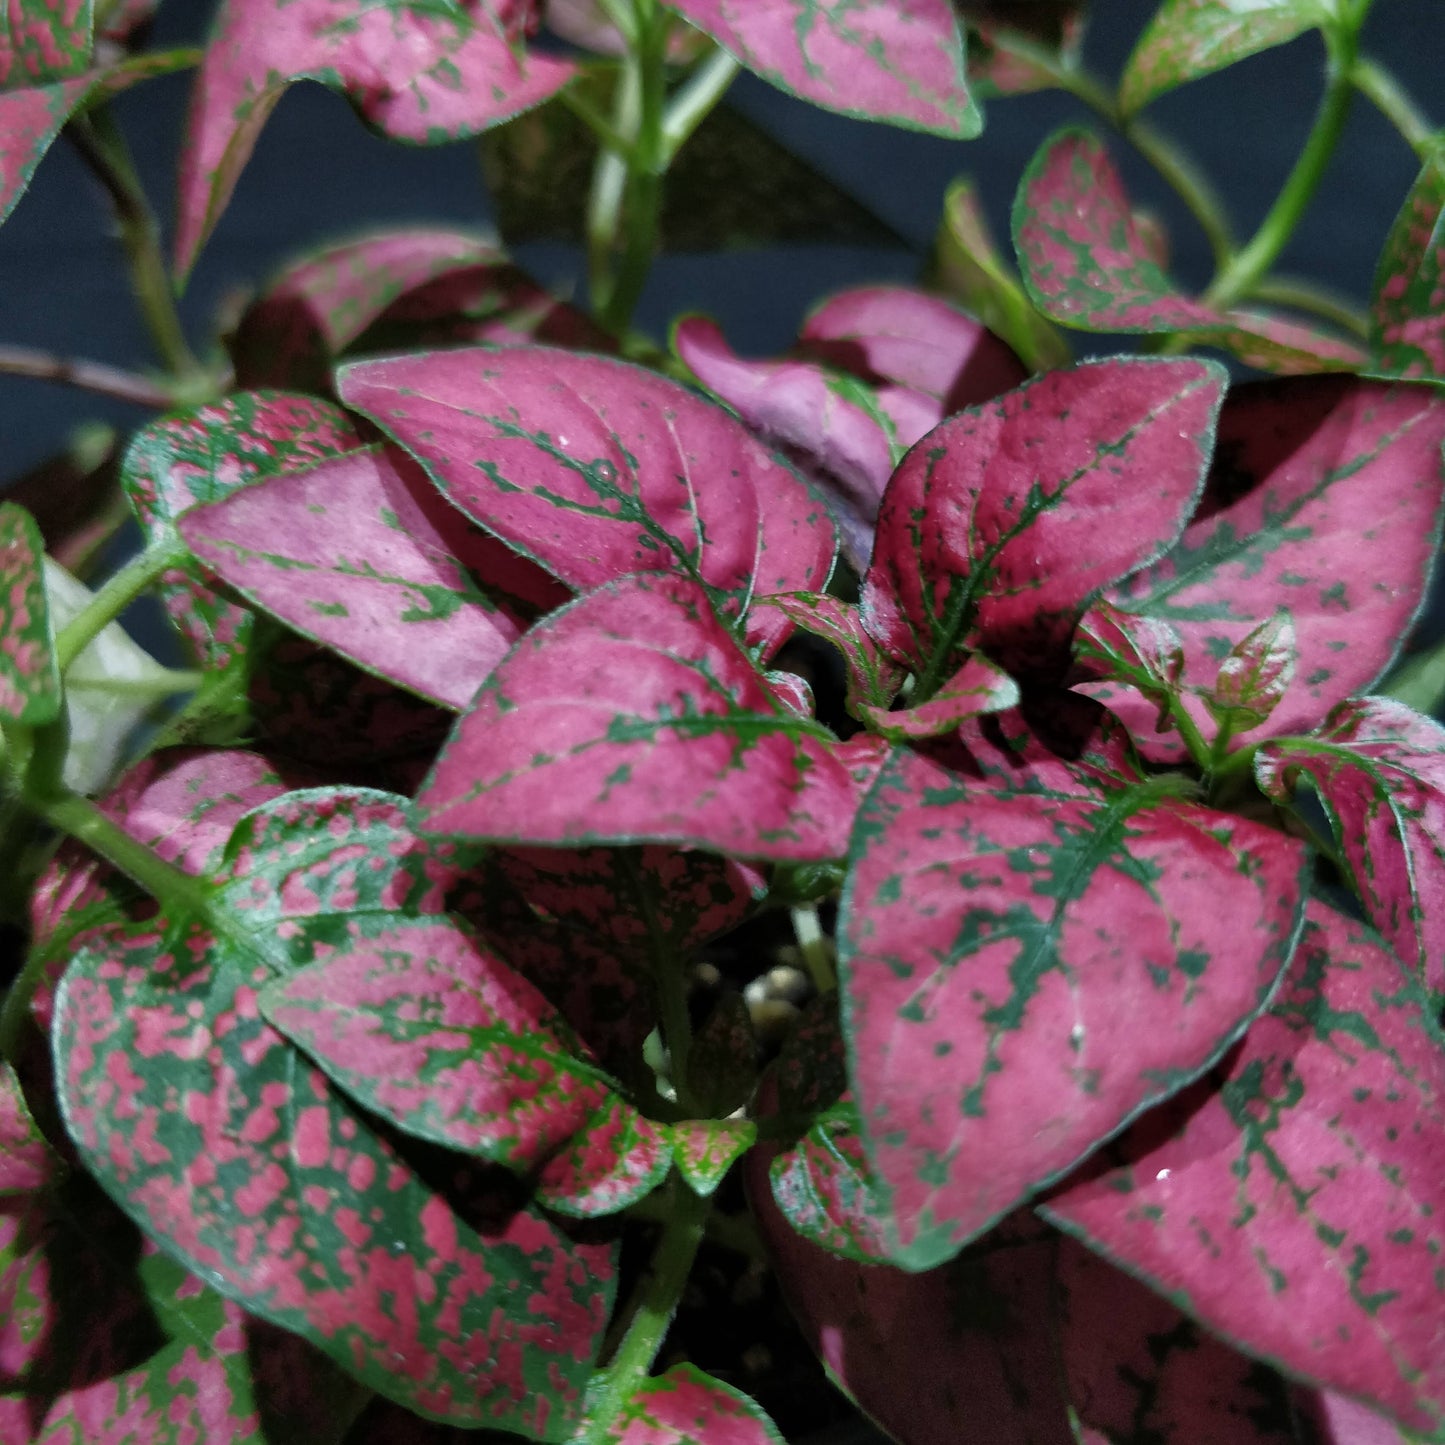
[[103, 147], [1377, 85], [648, 1314], [608, 136], [609, 189], [814, 947], [114, 597], [694, 101], [1189, 733], [1306, 296], [1249, 265], [1174, 167]]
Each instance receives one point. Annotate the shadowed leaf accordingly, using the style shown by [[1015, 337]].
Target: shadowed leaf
[[1295, 1207], [1407, 314], [874, 59], [1031, 952]]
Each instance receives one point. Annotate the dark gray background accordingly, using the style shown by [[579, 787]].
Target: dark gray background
[[318, 174]]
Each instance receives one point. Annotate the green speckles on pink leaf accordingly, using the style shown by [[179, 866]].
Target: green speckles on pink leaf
[[29, 675]]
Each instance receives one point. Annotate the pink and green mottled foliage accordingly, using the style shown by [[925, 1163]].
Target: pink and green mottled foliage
[[417, 72], [684, 1406], [43, 40], [423, 1026], [406, 287], [1003, 523], [633, 715], [1190, 38], [706, 1149], [874, 368], [1295, 1204], [1379, 770], [1087, 262], [29, 674], [594, 468], [1324, 498], [1254, 678], [977, 688], [362, 554], [899, 61], [205, 1126], [185, 461], [26, 1160], [1407, 313], [1032, 952]]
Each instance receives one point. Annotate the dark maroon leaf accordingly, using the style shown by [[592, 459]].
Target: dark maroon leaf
[[1295, 1207], [417, 72], [1003, 522], [1190, 38], [361, 554], [180, 462], [205, 1126], [1378, 767], [1338, 1420], [634, 716], [1407, 330], [1321, 487], [875, 59], [429, 287], [1031, 952], [683, 1406], [1140, 1373], [29, 675], [1087, 262], [422, 1026], [595, 468]]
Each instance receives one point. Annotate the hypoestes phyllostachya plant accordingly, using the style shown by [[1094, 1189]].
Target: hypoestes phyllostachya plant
[[359, 1084]]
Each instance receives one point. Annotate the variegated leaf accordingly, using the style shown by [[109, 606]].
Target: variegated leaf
[[1087, 262], [1254, 678], [417, 72], [29, 674], [1407, 312], [683, 1406], [1320, 488], [1000, 525], [1295, 1204], [43, 40], [634, 716], [874, 59], [1378, 767], [978, 687], [705, 1149], [594, 468], [1031, 952]]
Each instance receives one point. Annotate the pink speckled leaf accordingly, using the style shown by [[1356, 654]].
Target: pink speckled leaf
[[26, 1160], [183, 461], [634, 716], [722, 1064], [1378, 767], [1255, 675], [1031, 952], [1295, 1205], [1053, 29], [1002, 524], [683, 1406], [899, 61], [705, 1149], [978, 687], [872, 678], [1140, 1373], [1325, 498], [29, 674], [1190, 38], [1407, 312], [43, 40], [205, 1126], [594, 468], [956, 1354], [1088, 263], [396, 290], [362, 554], [417, 72], [423, 1026]]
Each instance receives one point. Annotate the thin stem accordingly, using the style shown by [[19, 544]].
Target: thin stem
[[694, 100], [103, 148], [1249, 266], [1176, 169], [1380, 87], [162, 682], [648, 1313], [609, 188], [607, 134], [1189, 733], [114, 597], [93, 376], [1306, 296], [814, 947]]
